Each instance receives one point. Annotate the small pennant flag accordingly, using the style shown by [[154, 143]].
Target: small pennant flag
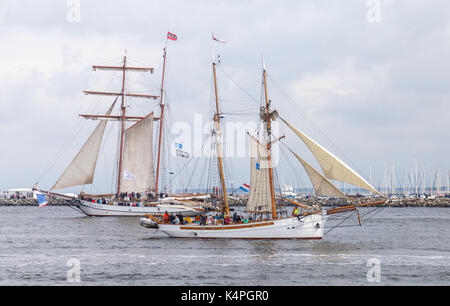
[[171, 36], [178, 145], [214, 38], [245, 187], [42, 200]]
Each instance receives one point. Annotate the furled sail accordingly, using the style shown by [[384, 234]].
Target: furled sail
[[260, 198], [322, 186], [137, 164], [81, 169], [332, 167]]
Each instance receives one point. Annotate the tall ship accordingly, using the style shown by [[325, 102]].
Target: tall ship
[[137, 178], [265, 218]]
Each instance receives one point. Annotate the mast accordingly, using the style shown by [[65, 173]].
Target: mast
[[218, 132], [269, 144], [161, 125], [122, 129], [122, 117]]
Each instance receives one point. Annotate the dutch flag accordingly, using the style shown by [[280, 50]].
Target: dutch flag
[[42, 200], [245, 187]]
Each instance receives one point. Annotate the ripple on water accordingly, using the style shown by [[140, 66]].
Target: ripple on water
[[118, 251]]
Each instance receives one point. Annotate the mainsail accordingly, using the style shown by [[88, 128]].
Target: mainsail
[[137, 169], [322, 186], [81, 170], [332, 167], [260, 198]]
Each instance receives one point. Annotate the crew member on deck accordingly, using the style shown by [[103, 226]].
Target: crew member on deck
[[166, 217]]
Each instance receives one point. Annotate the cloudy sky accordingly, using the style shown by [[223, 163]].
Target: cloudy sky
[[370, 80]]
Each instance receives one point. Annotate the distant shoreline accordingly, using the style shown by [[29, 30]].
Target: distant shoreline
[[431, 203]]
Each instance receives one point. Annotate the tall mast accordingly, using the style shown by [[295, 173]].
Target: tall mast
[[122, 132], [122, 117], [269, 144], [219, 149], [161, 125]]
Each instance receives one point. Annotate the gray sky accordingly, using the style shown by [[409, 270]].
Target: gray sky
[[378, 91]]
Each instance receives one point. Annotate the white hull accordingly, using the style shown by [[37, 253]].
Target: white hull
[[309, 227], [103, 210]]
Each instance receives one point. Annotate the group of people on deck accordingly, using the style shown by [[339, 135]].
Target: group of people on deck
[[137, 197], [206, 219], [130, 197], [93, 200]]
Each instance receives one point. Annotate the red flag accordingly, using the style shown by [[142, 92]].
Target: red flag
[[217, 39], [171, 36]]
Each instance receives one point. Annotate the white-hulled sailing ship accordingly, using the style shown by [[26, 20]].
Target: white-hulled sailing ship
[[308, 222], [137, 191]]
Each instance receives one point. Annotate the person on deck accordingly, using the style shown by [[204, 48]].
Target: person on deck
[[295, 212], [180, 217], [202, 220], [166, 217], [176, 220], [209, 220], [227, 220]]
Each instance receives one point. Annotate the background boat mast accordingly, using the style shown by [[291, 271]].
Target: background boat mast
[[123, 118], [218, 132]]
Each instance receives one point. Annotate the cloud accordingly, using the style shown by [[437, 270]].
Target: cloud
[[378, 92]]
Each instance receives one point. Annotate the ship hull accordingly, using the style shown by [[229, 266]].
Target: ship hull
[[309, 227], [103, 210]]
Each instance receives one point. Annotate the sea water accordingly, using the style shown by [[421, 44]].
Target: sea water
[[60, 246]]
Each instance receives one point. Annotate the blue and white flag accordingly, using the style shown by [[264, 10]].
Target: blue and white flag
[[258, 166], [178, 145], [42, 200]]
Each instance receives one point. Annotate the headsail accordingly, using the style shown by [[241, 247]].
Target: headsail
[[322, 185], [81, 169], [332, 167], [260, 198], [138, 173]]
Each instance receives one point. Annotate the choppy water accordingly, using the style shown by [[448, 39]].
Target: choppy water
[[411, 244]]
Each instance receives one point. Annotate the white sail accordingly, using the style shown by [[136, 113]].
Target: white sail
[[81, 170], [137, 164], [332, 167], [322, 185], [260, 198]]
